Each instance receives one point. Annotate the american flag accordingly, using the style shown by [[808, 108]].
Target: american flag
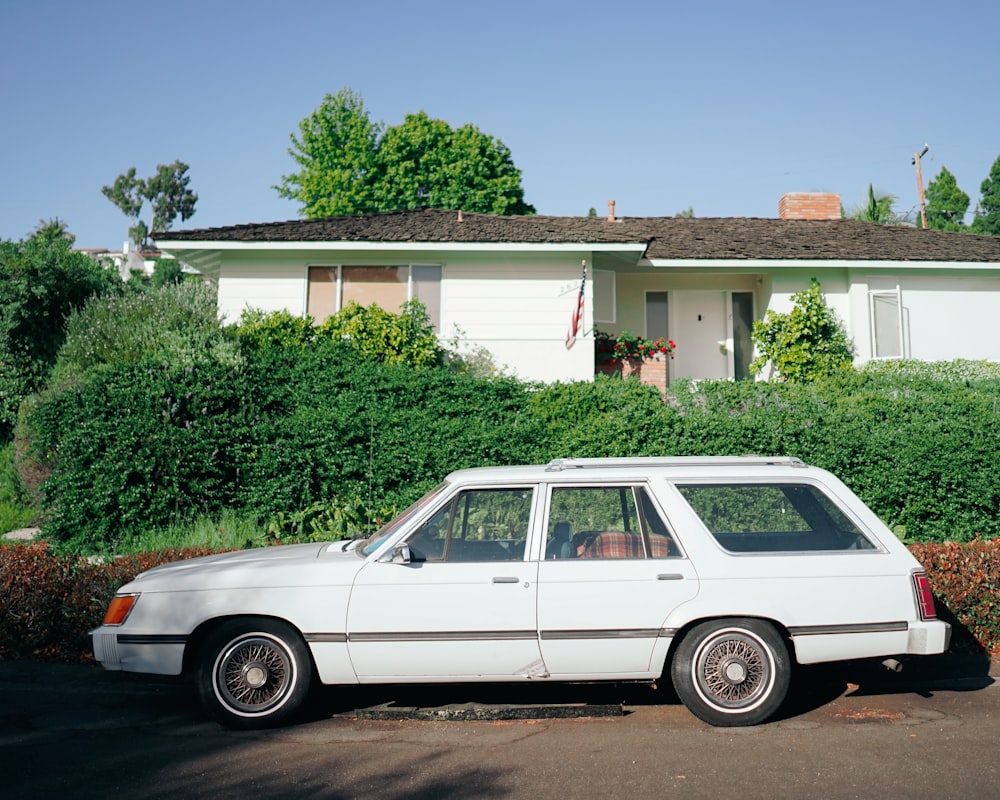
[[577, 319]]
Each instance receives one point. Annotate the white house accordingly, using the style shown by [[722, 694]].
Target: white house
[[510, 284]]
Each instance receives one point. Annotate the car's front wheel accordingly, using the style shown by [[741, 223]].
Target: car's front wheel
[[732, 672], [253, 673]]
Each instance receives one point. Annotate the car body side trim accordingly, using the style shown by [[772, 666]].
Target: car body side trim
[[863, 627], [610, 633], [440, 636], [140, 638], [325, 637]]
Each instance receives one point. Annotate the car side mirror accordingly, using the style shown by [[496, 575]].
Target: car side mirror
[[400, 554]]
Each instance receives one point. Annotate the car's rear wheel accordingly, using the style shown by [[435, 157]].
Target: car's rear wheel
[[253, 673], [732, 672]]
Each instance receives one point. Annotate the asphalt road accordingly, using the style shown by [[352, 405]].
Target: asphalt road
[[853, 732]]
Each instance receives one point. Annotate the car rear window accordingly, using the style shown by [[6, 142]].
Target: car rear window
[[773, 518]]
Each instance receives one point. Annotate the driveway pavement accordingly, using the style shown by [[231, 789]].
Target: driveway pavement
[[852, 732]]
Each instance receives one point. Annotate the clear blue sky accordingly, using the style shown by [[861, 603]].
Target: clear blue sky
[[661, 106]]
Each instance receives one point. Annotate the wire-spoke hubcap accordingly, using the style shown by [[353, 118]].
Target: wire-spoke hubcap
[[253, 674], [733, 671]]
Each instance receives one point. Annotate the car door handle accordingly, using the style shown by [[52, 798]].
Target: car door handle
[[669, 576], [506, 579]]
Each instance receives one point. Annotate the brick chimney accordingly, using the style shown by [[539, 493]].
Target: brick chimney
[[809, 205], [611, 211]]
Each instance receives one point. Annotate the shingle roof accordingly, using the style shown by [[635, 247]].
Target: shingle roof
[[664, 237]]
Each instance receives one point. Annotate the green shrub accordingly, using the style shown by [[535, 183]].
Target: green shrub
[[258, 329], [176, 325], [920, 452], [41, 281], [138, 446], [965, 579], [609, 417], [16, 509], [166, 272], [335, 425], [381, 336], [805, 344]]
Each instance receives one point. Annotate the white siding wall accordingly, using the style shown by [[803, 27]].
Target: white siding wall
[[516, 306], [945, 315], [267, 284], [520, 309]]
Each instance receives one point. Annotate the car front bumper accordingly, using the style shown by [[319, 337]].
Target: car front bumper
[[159, 655]]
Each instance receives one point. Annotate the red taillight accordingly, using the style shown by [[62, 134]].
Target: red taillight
[[119, 609], [925, 598]]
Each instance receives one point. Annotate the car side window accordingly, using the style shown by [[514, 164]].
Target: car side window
[[768, 518], [602, 522], [476, 525]]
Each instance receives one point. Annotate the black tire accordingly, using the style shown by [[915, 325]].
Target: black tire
[[253, 673], [732, 672]]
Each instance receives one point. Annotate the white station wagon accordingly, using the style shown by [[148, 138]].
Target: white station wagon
[[719, 572]]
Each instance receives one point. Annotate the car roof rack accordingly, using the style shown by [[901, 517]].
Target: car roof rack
[[560, 464]]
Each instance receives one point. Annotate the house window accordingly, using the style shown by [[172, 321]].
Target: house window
[[604, 296], [885, 310], [385, 286], [742, 334], [322, 301], [332, 288], [657, 316], [426, 287]]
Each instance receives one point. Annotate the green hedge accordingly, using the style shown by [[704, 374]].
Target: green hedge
[[336, 425], [137, 446]]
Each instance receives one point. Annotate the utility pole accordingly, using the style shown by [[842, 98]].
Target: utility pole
[[920, 185]]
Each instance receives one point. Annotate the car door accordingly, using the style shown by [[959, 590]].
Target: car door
[[604, 598], [456, 600]]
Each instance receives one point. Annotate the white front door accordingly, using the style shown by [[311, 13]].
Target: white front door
[[700, 324], [462, 607]]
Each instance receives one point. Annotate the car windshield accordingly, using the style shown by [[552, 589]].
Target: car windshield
[[400, 520]]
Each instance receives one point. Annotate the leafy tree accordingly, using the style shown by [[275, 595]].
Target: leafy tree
[[878, 209], [805, 344], [167, 271], [335, 151], [41, 281], [351, 165], [166, 191], [423, 162], [987, 219], [946, 203]]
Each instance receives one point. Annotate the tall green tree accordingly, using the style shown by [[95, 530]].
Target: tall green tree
[[335, 151], [946, 203], [424, 162], [351, 165], [42, 279], [166, 191], [987, 220]]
